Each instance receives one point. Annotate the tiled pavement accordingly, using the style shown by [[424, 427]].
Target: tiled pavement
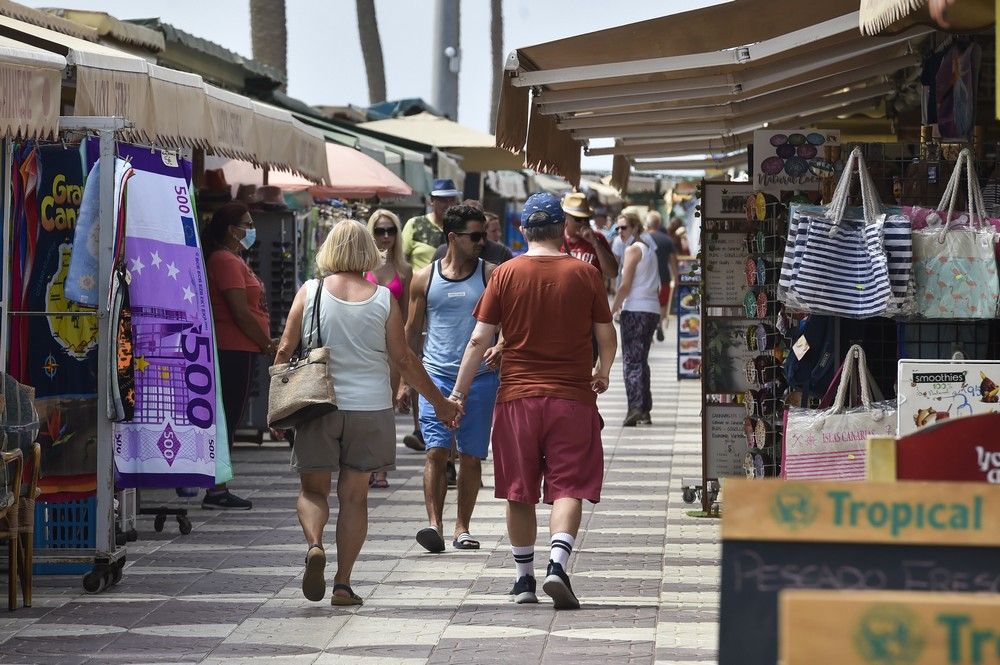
[[229, 592]]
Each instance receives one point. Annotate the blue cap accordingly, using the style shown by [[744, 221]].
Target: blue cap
[[541, 209], [444, 188]]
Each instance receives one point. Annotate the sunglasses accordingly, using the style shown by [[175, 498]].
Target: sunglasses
[[474, 236], [621, 228], [378, 233]]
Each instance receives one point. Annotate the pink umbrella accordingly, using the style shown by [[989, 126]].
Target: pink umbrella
[[353, 175]]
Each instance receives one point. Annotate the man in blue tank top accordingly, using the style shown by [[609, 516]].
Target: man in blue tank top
[[442, 297]]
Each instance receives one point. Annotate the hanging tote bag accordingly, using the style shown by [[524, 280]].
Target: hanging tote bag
[[955, 266], [302, 388], [830, 444], [844, 268]]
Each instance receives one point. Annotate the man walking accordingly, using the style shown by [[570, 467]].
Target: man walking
[[666, 264], [421, 236], [581, 241], [442, 297], [546, 428]]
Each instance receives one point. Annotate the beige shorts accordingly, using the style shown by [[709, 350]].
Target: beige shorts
[[356, 440]]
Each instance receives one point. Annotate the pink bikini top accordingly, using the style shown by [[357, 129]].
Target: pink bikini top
[[395, 284]]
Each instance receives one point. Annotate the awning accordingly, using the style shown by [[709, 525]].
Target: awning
[[888, 16], [352, 175], [176, 109], [30, 84], [477, 149], [701, 80]]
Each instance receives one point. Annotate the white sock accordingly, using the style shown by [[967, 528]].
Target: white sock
[[562, 546], [524, 559]]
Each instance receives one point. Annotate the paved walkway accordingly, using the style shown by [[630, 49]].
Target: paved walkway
[[230, 591]]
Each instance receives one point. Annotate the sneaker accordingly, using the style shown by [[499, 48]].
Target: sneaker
[[452, 474], [632, 418], [186, 492], [659, 334], [225, 501], [644, 419], [557, 586], [524, 590], [414, 441]]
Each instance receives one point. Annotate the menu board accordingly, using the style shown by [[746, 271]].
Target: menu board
[[688, 310], [725, 269], [727, 444]]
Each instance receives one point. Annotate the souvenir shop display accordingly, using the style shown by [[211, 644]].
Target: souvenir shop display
[[742, 340], [829, 444]]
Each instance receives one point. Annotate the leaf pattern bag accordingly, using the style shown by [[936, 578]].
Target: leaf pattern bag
[[954, 261]]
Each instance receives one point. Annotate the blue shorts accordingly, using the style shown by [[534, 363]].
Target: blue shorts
[[473, 433]]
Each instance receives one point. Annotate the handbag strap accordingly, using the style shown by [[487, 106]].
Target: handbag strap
[[870, 202], [317, 302], [855, 368], [976, 203]]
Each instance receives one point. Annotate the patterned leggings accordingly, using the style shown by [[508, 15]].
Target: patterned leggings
[[637, 336]]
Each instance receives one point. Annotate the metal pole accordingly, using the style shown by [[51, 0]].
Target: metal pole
[[5, 270], [446, 56], [105, 536]]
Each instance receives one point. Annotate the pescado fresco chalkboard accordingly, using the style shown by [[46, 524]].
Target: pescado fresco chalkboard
[[865, 536]]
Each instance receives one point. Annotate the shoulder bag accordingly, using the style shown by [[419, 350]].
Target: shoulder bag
[[302, 388]]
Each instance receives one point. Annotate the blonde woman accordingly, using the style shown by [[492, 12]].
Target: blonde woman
[[360, 436], [638, 301], [394, 274]]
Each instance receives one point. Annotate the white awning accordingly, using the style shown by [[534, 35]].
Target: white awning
[[695, 83], [176, 109]]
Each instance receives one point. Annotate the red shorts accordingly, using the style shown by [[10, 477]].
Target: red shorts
[[547, 442], [664, 293]]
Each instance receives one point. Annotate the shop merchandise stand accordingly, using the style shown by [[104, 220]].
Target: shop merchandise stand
[[107, 558], [743, 382]]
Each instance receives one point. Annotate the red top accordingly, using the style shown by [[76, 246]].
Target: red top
[[228, 271], [547, 307], [583, 250]]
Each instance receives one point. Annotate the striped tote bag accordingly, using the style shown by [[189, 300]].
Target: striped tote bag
[[844, 270]]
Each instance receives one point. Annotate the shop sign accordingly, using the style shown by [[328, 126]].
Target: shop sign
[[888, 628], [793, 159], [932, 391], [863, 512]]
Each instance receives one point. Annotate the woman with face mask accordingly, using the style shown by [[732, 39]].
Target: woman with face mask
[[242, 330]]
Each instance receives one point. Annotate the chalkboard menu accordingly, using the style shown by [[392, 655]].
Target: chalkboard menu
[[865, 536]]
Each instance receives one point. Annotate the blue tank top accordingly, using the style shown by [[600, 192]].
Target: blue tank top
[[449, 319]]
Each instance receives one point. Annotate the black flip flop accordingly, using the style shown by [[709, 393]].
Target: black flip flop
[[430, 540]]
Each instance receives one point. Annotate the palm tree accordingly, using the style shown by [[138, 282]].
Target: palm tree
[[496, 45], [371, 50], [269, 35]]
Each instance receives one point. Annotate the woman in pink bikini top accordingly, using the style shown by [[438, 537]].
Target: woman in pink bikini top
[[394, 274]]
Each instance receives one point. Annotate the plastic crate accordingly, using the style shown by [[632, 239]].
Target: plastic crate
[[61, 526]]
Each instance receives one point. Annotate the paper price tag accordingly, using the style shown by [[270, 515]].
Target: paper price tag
[[169, 158], [801, 347]]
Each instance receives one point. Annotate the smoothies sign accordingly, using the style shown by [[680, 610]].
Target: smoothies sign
[[793, 159]]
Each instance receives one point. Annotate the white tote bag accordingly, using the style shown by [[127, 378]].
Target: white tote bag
[[830, 444]]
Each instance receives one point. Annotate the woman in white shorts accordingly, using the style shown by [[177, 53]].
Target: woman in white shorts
[[362, 326]]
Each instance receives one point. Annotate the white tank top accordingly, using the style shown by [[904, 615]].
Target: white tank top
[[355, 334], [644, 296]]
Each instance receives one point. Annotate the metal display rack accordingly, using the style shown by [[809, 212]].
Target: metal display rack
[[107, 557]]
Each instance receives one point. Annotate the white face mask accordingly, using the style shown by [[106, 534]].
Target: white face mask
[[249, 238]]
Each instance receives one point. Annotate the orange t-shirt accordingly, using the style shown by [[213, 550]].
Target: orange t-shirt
[[546, 307], [228, 271]]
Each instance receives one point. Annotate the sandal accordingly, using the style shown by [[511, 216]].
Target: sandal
[[430, 539], [313, 582], [350, 599], [377, 483], [465, 541]]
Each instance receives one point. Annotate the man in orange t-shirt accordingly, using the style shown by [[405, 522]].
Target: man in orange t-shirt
[[546, 428]]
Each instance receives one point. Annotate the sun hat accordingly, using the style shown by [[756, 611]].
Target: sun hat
[[575, 204], [541, 209], [444, 188]]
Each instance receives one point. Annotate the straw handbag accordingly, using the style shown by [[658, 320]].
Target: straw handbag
[[302, 388]]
